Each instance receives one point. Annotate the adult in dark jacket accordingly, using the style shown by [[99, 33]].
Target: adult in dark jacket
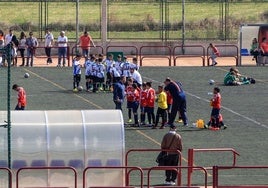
[[119, 93], [179, 101]]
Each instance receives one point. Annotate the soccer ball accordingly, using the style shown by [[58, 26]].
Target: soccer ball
[[211, 82], [80, 88], [26, 75]]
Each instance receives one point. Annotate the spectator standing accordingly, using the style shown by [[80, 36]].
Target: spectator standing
[[8, 37], [119, 93], [62, 50], [2, 39], [215, 53], [162, 107], [264, 49], [21, 97], [2, 44], [171, 141], [84, 42], [254, 50], [179, 101], [11, 39], [49, 38], [31, 44], [22, 47]]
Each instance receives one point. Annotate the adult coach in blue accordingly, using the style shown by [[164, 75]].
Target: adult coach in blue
[[119, 93], [179, 101]]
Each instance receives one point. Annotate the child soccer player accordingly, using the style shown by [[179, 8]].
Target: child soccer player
[[150, 103], [76, 72], [215, 102], [162, 107], [215, 54], [135, 103], [88, 72], [130, 98], [143, 102]]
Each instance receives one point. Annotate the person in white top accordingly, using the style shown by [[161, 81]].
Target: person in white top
[[49, 38], [62, 50], [22, 47], [136, 76], [8, 37]]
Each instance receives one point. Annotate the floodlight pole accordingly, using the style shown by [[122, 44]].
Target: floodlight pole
[[183, 26], [77, 25]]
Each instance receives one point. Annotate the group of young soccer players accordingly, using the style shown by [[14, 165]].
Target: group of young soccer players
[[100, 73], [144, 98]]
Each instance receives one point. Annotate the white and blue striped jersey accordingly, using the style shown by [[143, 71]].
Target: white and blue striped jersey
[[76, 67], [125, 67], [88, 67]]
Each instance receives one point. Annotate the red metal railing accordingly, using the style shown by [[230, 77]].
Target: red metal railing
[[9, 175], [128, 170], [176, 169], [191, 158], [99, 49], [145, 55], [216, 170], [155, 150], [220, 46], [136, 51], [53, 54], [46, 168], [201, 50]]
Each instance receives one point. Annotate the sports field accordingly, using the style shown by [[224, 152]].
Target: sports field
[[244, 109]]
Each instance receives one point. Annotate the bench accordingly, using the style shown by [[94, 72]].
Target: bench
[[244, 52]]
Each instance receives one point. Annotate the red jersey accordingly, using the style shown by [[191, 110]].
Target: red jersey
[[169, 98], [22, 97], [136, 94], [130, 94], [216, 101], [143, 98], [150, 97]]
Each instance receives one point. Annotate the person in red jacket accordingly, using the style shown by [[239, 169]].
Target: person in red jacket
[[21, 97]]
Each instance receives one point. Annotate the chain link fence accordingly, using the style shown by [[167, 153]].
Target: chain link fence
[[134, 19]]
